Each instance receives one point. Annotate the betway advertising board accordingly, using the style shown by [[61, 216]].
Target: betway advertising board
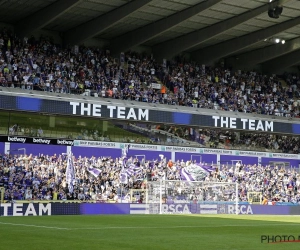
[[36, 140], [36, 146], [127, 113], [143, 147]]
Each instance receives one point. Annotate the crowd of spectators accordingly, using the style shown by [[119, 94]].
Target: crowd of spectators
[[16, 129], [40, 64], [100, 178], [223, 89], [286, 144], [218, 138]]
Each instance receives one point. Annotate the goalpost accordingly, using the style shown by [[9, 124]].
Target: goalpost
[[17, 150], [198, 156], [192, 197], [2, 191], [278, 164], [143, 157]]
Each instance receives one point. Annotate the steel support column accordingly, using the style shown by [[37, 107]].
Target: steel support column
[[175, 46], [281, 63], [264, 54], [212, 53], [149, 31], [41, 18], [101, 23]]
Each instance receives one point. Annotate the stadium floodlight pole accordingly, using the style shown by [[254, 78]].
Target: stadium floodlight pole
[[236, 198]]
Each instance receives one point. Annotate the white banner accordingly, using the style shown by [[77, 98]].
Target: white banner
[[155, 85], [252, 153], [216, 151], [282, 155], [144, 147], [100, 144], [179, 149]]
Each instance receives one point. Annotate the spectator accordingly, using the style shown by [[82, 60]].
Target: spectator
[[43, 178], [41, 65]]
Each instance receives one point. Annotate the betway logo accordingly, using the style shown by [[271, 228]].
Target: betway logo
[[64, 142], [39, 140], [17, 139]]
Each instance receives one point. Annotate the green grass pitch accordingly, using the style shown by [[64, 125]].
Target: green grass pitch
[[216, 232]]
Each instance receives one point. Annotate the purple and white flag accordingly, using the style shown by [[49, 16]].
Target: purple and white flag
[[132, 169], [123, 177], [195, 172], [151, 164], [129, 169], [94, 171], [125, 150], [70, 173]]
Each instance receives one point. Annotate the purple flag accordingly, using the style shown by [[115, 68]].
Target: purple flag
[[70, 172], [195, 172], [123, 177], [94, 171]]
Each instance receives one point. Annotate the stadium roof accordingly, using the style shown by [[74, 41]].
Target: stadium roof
[[207, 29]]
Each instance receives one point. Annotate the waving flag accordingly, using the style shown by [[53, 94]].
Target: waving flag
[[129, 169], [123, 174], [94, 171], [195, 172], [123, 177], [70, 173], [125, 150], [133, 169]]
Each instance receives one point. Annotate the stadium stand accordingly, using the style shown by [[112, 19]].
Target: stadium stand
[[217, 138], [39, 64], [102, 179]]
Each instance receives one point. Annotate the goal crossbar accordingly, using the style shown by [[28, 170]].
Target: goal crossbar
[[200, 196]]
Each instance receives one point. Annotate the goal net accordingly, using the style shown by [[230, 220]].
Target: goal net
[[254, 197], [192, 197]]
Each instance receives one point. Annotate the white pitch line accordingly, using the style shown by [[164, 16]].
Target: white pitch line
[[174, 227], [28, 225], [97, 228]]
